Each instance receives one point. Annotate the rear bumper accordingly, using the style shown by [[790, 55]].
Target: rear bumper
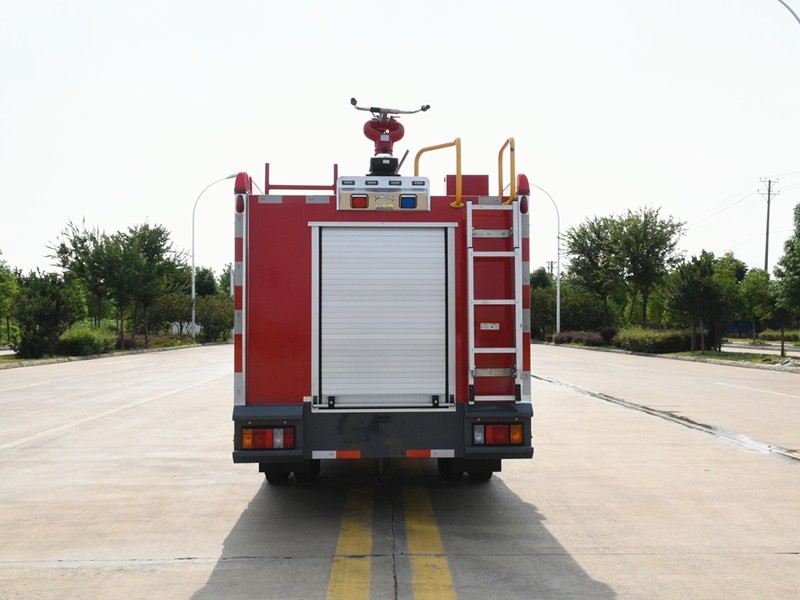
[[388, 434]]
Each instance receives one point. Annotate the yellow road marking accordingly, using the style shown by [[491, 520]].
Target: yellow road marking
[[350, 575], [430, 571]]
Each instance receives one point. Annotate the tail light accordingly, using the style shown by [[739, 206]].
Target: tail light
[[498, 434], [267, 438]]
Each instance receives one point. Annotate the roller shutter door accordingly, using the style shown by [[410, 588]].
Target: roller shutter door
[[383, 316]]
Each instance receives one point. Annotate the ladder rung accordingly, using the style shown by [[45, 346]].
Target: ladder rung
[[493, 372], [497, 302], [492, 233], [495, 398], [492, 207], [487, 350], [492, 254]]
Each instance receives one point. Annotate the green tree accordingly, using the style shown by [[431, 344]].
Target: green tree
[[205, 282], [153, 262], [8, 292], [729, 272], [173, 307], [647, 250], [540, 278], [756, 297], [81, 253], [120, 270], [224, 286], [215, 314], [595, 265], [788, 270], [543, 312], [46, 306], [695, 294]]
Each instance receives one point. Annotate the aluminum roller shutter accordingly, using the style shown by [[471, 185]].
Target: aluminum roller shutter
[[383, 316]]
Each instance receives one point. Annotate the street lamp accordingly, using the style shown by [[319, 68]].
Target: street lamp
[[558, 259], [194, 294]]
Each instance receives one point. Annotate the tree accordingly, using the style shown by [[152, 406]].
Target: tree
[[153, 262], [540, 278], [81, 253], [543, 311], [729, 272], [224, 286], [595, 263], [756, 297], [46, 306], [120, 272], [647, 250], [694, 293], [8, 292], [788, 270], [205, 282], [215, 314]]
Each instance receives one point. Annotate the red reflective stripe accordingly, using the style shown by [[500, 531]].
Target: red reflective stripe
[[237, 297], [237, 353], [418, 453], [348, 454], [526, 352], [238, 251]]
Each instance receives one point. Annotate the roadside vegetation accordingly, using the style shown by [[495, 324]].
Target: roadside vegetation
[[121, 291], [627, 287]]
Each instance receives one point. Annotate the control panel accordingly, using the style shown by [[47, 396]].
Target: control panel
[[383, 193]]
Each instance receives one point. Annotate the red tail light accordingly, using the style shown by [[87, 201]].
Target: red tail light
[[267, 438], [498, 434]]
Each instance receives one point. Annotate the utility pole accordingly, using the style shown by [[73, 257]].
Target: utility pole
[[550, 265], [769, 196]]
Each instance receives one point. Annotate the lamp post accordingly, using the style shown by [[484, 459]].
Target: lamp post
[[194, 293], [558, 259]]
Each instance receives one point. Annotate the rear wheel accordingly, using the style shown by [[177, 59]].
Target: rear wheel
[[447, 471], [310, 474], [480, 475], [274, 477]]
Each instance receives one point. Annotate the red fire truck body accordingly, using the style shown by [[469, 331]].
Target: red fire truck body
[[375, 321]]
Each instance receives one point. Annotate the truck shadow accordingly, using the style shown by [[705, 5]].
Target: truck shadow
[[497, 545]]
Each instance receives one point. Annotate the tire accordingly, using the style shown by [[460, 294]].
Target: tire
[[447, 472], [307, 476], [277, 477], [480, 475]]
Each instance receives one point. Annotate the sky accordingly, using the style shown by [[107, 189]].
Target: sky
[[115, 114]]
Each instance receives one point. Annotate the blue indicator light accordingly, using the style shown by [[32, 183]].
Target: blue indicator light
[[408, 201]]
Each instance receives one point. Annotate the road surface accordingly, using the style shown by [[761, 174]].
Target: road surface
[[116, 482]]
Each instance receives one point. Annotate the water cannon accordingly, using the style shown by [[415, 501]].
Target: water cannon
[[383, 129]]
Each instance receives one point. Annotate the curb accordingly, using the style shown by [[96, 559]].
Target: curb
[[66, 359], [710, 361]]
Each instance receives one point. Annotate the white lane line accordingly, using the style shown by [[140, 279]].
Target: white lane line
[[78, 422], [757, 390], [736, 438]]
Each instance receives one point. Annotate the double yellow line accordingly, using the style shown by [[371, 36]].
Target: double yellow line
[[430, 571]]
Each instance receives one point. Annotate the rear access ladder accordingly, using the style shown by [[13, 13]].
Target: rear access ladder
[[498, 263]]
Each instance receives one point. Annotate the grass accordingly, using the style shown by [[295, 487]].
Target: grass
[[760, 359]]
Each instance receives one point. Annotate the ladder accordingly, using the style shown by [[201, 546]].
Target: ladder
[[501, 261]]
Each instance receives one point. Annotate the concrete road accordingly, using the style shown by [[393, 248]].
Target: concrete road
[[116, 482]]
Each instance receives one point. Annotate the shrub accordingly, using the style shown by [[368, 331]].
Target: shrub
[[586, 338], [654, 341], [772, 335], [84, 343]]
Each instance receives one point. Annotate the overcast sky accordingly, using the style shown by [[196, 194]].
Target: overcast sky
[[121, 113]]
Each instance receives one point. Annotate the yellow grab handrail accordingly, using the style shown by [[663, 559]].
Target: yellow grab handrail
[[513, 191], [457, 143]]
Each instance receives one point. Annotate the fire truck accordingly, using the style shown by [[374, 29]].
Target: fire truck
[[376, 321]]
